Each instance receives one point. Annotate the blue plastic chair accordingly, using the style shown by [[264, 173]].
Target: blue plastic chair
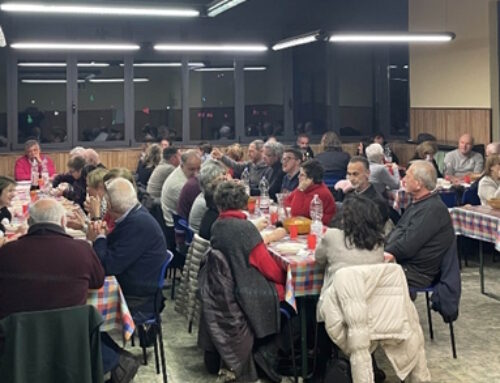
[[331, 178], [470, 197], [154, 320], [427, 291], [449, 198]]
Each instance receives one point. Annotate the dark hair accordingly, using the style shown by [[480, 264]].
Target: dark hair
[[205, 147], [31, 142], [5, 182], [296, 153], [76, 163], [378, 134], [313, 170], [165, 139], [362, 223], [303, 135], [363, 160], [169, 152], [230, 195]]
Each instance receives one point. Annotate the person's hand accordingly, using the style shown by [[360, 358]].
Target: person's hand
[[261, 223], [95, 229], [217, 154], [76, 220], [274, 235], [21, 230], [304, 184], [388, 257]]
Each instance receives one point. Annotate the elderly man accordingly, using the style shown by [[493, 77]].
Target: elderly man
[[463, 161], [22, 169], [291, 160], [424, 232], [302, 144], [273, 152], [92, 158], [171, 190], [256, 166], [171, 159], [492, 148], [135, 250], [31, 267]]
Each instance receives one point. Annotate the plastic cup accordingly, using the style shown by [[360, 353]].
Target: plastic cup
[[25, 209], [252, 201], [294, 231], [273, 214], [467, 179], [311, 241]]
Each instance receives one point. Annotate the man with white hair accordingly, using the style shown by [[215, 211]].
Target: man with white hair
[[46, 268], [92, 158], [425, 232], [135, 250], [463, 161], [380, 177], [273, 152], [492, 148], [32, 155]]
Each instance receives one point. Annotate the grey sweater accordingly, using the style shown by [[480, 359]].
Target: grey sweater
[[256, 171]]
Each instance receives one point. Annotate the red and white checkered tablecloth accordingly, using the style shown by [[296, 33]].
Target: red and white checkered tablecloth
[[478, 222], [111, 304], [303, 276]]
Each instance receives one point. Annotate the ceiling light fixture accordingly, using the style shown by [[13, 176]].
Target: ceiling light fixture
[[391, 37], [116, 80], [97, 10], [217, 7], [306, 38], [230, 69], [60, 65], [211, 47], [46, 81], [75, 46], [165, 65]]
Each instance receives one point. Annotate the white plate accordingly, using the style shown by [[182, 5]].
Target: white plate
[[290, 247]]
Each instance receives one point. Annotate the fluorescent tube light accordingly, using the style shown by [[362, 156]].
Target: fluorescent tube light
[[230, 69], [306, 38], [60, 65], [165, 65], [115, 80], [211, 47], [97, 10], [391, 37], [75, 46], [219, 6], [46, 81]]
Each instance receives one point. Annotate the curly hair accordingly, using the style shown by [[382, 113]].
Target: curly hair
[[331, 142], [362, 223], [235, 152], [153, 156], [230, 195], [425, 148], [314, 170]]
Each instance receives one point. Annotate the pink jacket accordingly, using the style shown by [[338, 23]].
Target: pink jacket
[[22, 169]]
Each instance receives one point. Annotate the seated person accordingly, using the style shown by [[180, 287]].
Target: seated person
[[492, 148], [272, 154], [380, 177], [426, 151], [7, 193], [74, 180], [332, 159], [22, 169], [425, 232], [302, 144], [171, 159], [389, 155], [291, 160], [259, 279], [489, 185], [463, 161], [310, 184], [146, 167]]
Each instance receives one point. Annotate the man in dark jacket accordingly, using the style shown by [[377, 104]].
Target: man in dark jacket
[[425, 232], [273, 151]]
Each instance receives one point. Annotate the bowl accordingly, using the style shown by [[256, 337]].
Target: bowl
[[494, 203], [303, 224]]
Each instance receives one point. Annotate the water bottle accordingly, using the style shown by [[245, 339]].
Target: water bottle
[[245, 179], [264, 196], [45, 175], [34, 174], [316, 213]]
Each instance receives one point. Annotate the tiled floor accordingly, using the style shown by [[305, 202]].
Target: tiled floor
[[477, 333]]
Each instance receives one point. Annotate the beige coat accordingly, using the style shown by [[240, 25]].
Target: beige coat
[[367, 306]]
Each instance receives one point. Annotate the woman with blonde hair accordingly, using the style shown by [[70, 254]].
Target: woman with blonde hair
[[426, 151], [151, 159], [489, 186]]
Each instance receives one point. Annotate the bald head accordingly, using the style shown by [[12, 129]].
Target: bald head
[[465, 143], [92, 157], [492, 148], [121, 194], [47, 210], [190, 163]]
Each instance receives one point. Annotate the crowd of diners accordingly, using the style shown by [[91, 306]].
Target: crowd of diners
[[239, 326]]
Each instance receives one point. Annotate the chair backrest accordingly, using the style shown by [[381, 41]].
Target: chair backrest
[[331, 178], [170, 257], [449, 198], [470, 196], [60, 345], [183, 233]]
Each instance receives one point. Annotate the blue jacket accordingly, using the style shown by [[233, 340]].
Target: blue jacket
[[134, 252]]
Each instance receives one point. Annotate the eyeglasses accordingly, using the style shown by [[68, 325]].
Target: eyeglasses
[[286, 159]]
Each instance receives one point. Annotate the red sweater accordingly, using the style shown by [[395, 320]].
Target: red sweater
[[300, 202], [22, 169], [262, 260]]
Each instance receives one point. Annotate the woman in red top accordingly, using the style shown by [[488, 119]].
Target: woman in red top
[[311, 183]]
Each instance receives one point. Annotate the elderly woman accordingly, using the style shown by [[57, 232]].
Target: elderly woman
[[259, 281], [489, 186], [151, 160], [73, 183], [380, 177], [333, 159], [211, 174], [426, 151], [310, 184]]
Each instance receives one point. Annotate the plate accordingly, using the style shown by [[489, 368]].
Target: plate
[[290, 247]]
